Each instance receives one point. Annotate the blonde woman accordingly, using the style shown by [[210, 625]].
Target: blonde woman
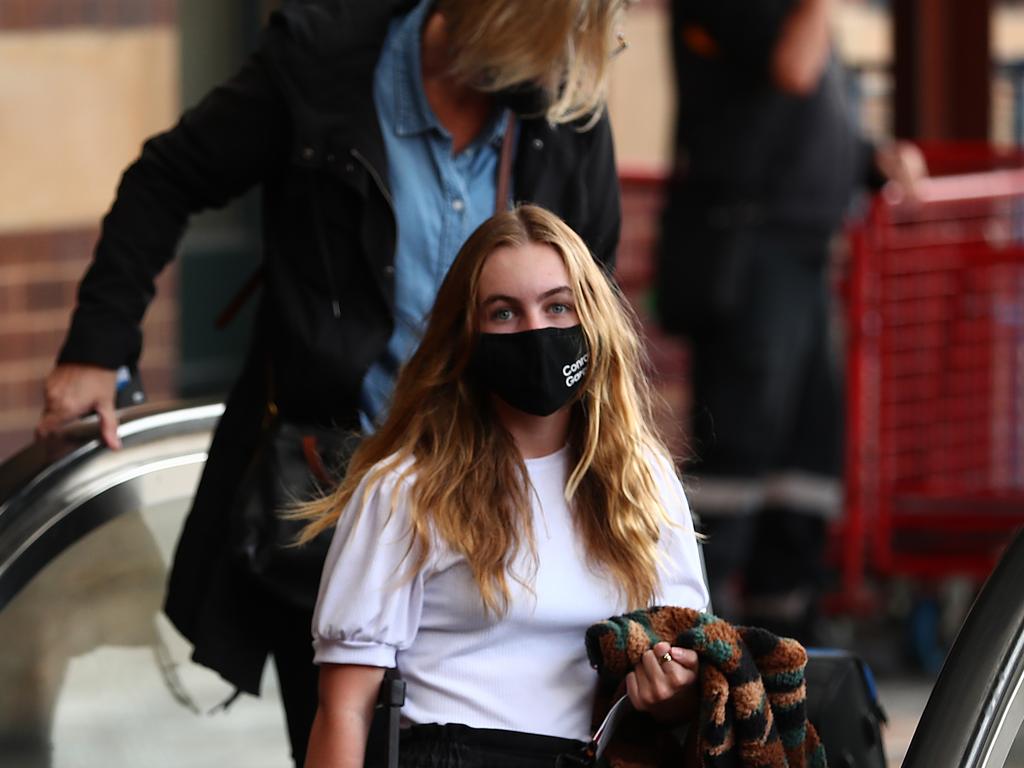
[[516, 493], [374, 130]]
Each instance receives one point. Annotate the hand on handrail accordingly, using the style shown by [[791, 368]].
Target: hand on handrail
[[72, 391]]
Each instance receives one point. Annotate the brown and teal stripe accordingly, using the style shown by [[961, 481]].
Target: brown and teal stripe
[[752, 709]]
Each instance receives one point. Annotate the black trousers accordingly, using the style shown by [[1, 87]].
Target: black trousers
[[459, 746], [768, 407], [292, 651], [765, 376]]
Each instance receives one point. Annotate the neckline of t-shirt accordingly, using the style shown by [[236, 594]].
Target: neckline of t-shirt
[[540, 462]]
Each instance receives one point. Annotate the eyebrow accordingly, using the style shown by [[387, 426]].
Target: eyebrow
[[496, 297]]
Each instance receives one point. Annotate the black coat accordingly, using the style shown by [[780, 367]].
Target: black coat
[[298, 119]]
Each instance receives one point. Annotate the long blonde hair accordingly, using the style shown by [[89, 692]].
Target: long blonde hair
[[468, 482], [562, 45]]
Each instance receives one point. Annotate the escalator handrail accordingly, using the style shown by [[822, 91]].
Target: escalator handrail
[[47, 481], [40, 462], [965, 722]]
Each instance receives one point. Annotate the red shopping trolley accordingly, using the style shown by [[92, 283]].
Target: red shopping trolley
[[935, 421]]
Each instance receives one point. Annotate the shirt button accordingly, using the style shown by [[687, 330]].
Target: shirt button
[[349, 167], [389, 269], [457, 204], [537, 143], [308, 153]]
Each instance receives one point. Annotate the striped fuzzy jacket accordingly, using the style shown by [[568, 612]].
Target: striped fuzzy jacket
[[752, 693]]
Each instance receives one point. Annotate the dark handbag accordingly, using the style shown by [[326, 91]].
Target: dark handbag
[[293, 463]]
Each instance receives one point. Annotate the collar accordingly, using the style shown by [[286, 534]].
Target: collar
[[413, 113]]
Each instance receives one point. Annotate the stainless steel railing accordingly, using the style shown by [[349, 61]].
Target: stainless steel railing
[[91, 673], [53, 493]]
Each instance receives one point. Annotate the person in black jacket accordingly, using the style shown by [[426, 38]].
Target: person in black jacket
[[767, 160], [373, 130]]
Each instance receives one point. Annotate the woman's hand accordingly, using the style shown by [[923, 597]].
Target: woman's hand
[[665, 687]]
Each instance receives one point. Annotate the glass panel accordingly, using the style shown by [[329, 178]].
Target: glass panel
[[92, 673]]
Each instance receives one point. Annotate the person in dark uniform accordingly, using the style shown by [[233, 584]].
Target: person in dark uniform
[[767, 159], [375, 132]]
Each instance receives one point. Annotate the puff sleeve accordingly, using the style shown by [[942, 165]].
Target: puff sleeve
[[369, 605]]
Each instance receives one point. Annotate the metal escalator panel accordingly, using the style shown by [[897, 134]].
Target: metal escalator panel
[[974, 716], [91, 673], [53, 493]]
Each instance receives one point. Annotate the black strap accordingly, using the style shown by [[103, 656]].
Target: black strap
[[392, 697], [505, 164], [239, 299]]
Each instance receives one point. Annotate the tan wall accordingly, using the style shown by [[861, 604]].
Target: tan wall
[[74, 106], [641, 100]]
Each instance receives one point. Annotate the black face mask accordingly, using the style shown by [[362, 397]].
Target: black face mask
[[534, 371]]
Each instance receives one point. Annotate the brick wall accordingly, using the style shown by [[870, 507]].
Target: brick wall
[[43, 14], [74, 118], [39, 274]]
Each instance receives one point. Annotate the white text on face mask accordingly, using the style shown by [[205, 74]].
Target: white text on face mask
[[574, 372]]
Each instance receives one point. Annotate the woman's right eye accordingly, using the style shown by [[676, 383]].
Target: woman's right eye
[[502, 314]]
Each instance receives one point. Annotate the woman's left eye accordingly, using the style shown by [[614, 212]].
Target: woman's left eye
[[559, 309]]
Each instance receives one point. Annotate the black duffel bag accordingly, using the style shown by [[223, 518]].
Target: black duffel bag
[[842, 704]]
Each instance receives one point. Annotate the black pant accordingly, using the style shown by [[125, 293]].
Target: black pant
[[292, 649], [767, 409], [765, 375], [775, 554], [459, 746]]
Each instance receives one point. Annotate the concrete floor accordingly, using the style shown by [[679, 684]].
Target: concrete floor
[[903, 701], [116, 710]]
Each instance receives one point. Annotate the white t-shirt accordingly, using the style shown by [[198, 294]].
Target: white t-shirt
[[524, 671]]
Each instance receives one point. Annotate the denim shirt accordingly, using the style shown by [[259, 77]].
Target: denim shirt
[[439, 198]]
